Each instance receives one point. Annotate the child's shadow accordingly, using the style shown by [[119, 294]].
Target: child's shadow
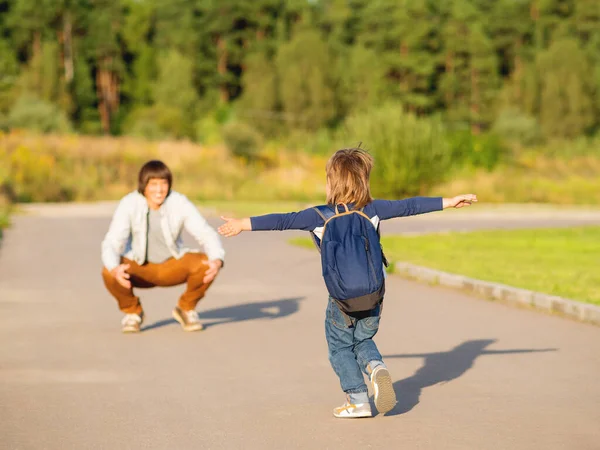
[[274, 309], [443, 367]]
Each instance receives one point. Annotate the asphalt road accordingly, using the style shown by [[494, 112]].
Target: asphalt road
[[469, 374]]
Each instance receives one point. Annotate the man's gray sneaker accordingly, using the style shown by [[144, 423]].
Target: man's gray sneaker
[[189, 320], [131, 323]]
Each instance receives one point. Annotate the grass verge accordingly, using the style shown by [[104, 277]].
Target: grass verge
[[560, 261], [4, 220]]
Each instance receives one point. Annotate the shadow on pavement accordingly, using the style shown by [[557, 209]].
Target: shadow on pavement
[[443, 367], [238, 313]]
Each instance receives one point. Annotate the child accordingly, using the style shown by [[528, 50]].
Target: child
[[352, 269]]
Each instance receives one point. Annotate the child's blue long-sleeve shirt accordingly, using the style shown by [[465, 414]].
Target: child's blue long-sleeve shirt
[[377, 210]]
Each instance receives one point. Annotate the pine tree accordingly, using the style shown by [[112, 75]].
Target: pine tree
[[9, 71], [103, 44], [259, 103], [418, 55], [470, 80], [484, 80], [566, 86], [306, 88], [361, 80], [138, 33], [586, 20]]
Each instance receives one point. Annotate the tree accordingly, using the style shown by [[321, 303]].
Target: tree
[[470, 81], [9, 71], [29, 21], [303, 67], [139, 36], [361, 80], [259, 103], [586, 19], [566, 88], [103, 43], [174, 87], [484, 80], [510, 26], [229, 26], [417, 57]]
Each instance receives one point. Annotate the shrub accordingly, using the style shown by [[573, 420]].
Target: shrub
[[514, 126], [411, 153], [32, 113], [208, 130], [242, 140], [482, 151], [158, 122], [34, 177]]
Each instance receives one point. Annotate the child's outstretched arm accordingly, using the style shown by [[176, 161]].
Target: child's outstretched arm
[[459, 201], [305, 220], [388, 209], [233, 227]]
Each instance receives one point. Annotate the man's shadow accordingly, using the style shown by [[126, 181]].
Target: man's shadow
[[274, 309], [443, 367]]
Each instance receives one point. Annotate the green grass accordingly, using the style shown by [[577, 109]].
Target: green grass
[[559, 261], [4, 220], [4, 216]]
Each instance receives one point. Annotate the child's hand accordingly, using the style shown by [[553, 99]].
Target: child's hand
[[233, 227], [459, 201]]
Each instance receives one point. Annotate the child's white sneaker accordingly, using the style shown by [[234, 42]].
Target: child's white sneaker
[[383, 389], [351, 411]]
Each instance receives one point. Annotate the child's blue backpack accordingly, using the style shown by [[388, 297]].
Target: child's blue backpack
[[352, 258]]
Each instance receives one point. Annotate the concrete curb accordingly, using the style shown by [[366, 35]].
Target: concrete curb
[[506, 294]]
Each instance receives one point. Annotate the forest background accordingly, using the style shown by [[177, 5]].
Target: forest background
[[245, 100]]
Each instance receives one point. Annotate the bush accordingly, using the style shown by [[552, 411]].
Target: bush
[[483, 151], [32, 113], [158, 122], [514, 126], [242, 140], [4, 208], [208, 130], [411, 153], [34, 176]]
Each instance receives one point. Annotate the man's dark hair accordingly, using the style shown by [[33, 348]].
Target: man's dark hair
[[153, 169]]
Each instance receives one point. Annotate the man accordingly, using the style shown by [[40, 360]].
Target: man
[[143, 248]]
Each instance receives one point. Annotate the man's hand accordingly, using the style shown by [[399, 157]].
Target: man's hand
[[459, 201], [213, 269], [233, 227], [121, 275]]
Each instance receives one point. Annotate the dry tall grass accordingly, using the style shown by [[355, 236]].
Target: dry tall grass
[[64, 168], [535, 178], [76, 168]]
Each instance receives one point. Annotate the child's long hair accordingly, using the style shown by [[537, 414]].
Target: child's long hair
[[348, 172]]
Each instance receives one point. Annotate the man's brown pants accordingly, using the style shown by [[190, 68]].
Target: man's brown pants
[[191, 268]]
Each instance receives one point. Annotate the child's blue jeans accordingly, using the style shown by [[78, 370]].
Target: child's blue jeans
[[351, 346]]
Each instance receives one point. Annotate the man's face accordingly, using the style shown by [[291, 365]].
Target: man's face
[[156, 191]]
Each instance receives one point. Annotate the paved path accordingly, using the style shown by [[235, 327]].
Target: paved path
[[469, 374]]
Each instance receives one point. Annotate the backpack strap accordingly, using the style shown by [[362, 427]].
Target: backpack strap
[[326, 213], [344, 205], [385, 260]]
